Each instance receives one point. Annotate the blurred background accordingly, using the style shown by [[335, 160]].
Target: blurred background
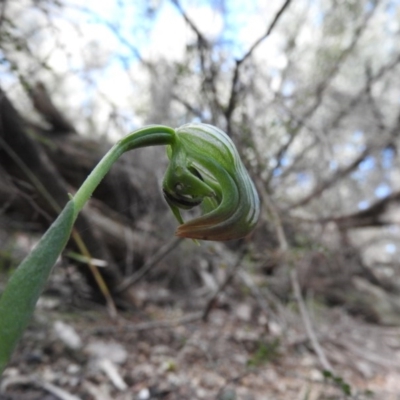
[[308, 90]]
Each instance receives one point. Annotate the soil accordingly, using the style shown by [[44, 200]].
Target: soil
[[162, 349]]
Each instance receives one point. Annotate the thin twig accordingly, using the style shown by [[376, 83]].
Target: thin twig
[[380, 143], [248, 281], [236, 73], [148, 266], [329, 126], [323, 86], [208, 67], [284, 247], [35, 381], [300, 122], [187, 319], [144, 326], [222, 286], [294, 279], [268, 31], [74, 234], [2, 11], [192, 25]]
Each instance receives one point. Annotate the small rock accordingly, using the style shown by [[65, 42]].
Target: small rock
[[48, 303], [246, 336], [67, 334], [168, 366], [161, 350], [243, 312], [365, 369], [112, 351], [73, 369], [110, 369], [211, 380], [316, 375], [227, 394], [275, 328], [144, 394]]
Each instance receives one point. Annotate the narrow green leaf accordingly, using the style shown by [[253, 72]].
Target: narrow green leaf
[[18, 300]]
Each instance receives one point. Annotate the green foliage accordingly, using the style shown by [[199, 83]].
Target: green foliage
[[337, 381], [26, 284], [204, 166], [266, 352]]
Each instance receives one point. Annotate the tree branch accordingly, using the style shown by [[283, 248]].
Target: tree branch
[[236, 73], [284, 247], [342, 173]]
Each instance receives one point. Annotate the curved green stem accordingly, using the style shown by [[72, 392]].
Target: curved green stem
[[18, 301], [205, 168], [153, 135]]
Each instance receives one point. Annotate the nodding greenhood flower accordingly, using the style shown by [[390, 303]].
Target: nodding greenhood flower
[[205, 169]]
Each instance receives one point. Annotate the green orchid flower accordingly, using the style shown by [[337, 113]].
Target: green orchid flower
[[205, 170]]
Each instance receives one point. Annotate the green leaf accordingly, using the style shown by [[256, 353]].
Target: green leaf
[[18, 300]]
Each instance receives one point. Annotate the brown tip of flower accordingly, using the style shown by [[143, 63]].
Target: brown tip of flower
[[206, 233]]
